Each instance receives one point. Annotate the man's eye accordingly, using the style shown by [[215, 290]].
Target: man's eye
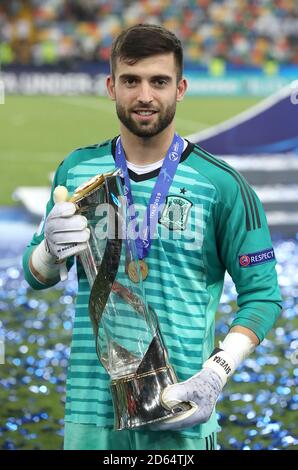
[[160, 83], [130, 82]]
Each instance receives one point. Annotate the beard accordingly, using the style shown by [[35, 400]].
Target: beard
[[146, 129]]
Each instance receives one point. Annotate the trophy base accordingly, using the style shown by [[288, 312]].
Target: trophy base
[[136, 399]]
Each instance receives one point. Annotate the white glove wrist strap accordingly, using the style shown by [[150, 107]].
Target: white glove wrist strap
[[222, 363], [235, 348], [44, 263], [239, 345]]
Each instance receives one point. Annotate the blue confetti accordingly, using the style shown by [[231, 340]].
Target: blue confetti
[[250, 409]]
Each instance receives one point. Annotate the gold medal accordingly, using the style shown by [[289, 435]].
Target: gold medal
[[133, 270], [144, 268]]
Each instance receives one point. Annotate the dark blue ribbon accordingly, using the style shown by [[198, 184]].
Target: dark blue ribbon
[[158, 195]]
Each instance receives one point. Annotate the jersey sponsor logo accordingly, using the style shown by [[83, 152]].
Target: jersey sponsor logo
[[175, 213], [259, 257]]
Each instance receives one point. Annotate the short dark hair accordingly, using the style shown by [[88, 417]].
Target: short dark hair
[[145, 40]]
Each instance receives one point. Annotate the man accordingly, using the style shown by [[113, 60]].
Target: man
[[221, 226]]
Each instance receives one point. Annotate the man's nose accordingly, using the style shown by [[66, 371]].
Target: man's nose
[[145, 93]]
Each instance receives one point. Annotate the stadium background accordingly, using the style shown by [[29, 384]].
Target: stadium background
[[53, 57]]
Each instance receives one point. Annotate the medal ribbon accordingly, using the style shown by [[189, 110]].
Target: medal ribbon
[[158, 195]]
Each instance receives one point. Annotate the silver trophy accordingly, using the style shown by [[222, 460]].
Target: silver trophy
[[129, 343]]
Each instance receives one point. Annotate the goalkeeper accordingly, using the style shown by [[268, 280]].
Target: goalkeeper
[[220, 226]]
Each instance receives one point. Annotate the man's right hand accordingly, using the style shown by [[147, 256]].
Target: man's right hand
[[66, 233]]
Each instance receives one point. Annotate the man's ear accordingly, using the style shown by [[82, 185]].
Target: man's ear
[[181, 89], [111, 87]]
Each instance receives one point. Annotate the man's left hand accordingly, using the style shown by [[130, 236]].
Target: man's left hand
[[201, 391]]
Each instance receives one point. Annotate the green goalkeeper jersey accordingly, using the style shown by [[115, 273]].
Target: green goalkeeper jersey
[[220, 226]]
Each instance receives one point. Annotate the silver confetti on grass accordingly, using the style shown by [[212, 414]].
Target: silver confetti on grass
[[256, 406]]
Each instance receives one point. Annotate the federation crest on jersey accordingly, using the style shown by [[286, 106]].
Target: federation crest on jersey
[[175, 213]]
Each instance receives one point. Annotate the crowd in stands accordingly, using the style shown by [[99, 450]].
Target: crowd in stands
[[240, 32]]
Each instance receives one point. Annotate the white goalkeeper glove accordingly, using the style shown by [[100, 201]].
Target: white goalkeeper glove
[[66, 234], [203, 389]]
